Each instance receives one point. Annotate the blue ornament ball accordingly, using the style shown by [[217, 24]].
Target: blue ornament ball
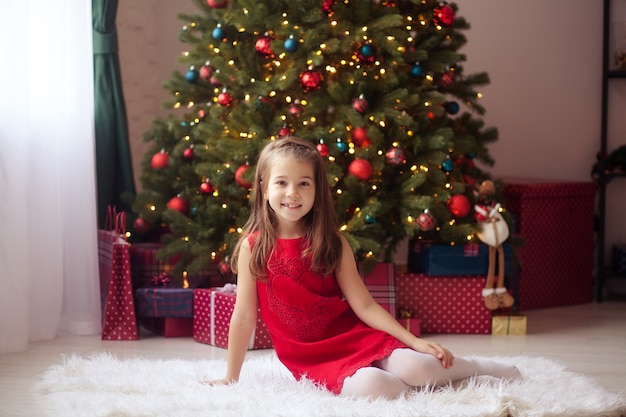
[[218, 33], [452, 107], [447, 165], [342, 146], [192, 75], [291, 45], [417, 71], [367, 50], [369, 219]]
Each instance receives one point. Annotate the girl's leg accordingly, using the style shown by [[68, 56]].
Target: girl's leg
[[420, 369], [374, 383]]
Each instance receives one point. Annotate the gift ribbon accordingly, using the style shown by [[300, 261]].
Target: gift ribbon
[[227, 288]]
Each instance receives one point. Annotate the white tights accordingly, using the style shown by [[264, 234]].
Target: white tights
[[406, 368]]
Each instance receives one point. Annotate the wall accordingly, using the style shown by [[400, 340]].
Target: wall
[[543, 59]]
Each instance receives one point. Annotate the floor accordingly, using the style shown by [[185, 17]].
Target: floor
[[588, 338]]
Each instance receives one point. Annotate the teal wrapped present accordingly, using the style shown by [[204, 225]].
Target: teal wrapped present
[[448, 260]]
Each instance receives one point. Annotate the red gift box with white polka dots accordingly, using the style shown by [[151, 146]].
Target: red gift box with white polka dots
[[212, 309], [556, 221], [448, 305]]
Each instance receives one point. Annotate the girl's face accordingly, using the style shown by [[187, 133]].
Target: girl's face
[[291, 193]]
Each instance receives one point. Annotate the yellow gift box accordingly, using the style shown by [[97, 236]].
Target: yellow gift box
[[508, 325]]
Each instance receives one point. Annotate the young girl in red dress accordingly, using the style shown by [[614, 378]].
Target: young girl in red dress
[[293, 264]]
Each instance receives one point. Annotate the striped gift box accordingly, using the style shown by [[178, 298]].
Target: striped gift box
[[380, 281]]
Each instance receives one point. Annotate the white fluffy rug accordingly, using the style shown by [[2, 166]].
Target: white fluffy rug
[[103, 385]]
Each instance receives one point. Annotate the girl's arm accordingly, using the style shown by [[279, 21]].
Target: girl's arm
[[243, 319], [372, 314]]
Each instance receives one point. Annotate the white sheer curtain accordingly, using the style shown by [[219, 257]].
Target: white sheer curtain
[[48, 238]]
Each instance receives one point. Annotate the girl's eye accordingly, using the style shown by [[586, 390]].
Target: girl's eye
[[305, 184]]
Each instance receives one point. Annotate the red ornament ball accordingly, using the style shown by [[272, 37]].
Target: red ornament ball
[[443, 14], [360, 104], [207, 188], [160, 160], [284, 131], [327, 6], [459, 205], [239, 176], [361, 169], [225, 99], [217, 4], [360, 137], [188, 154], [179, 204], [263, 46], [322, 149], [224, 268], [426, 221], [447, 79], [311, 80], [141, 226]]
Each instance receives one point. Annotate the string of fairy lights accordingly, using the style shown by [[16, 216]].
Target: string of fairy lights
[[322, 65]]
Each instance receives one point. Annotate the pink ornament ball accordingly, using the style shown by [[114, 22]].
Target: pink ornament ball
[[217, 4], [426, 221]]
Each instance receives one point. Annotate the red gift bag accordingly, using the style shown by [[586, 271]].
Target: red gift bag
[[119, 321]]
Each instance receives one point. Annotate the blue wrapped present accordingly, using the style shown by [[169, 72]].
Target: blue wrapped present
[[453, 260], [164, 302]]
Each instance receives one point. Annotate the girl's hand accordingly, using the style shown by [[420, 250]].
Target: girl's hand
[[433, 348], [223, 381]]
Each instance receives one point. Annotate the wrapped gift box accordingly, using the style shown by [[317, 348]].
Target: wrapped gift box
[[452, 304], [168, 326], [380, 282], [165, 311], [556, 222], [508, 325], [619, 259], [213, 308], [145, 265], [448, 260], [164, 302]]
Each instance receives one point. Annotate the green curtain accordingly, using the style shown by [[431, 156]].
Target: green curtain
[[114, 166]]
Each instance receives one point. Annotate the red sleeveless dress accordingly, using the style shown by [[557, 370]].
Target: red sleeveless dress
[[315, 333]]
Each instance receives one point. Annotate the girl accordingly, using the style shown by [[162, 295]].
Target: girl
[[292, 262]]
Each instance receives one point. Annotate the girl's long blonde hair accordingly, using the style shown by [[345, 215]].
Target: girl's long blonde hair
[[320, 224]]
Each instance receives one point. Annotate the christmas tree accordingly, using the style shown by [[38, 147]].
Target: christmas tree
[[377, 85]]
